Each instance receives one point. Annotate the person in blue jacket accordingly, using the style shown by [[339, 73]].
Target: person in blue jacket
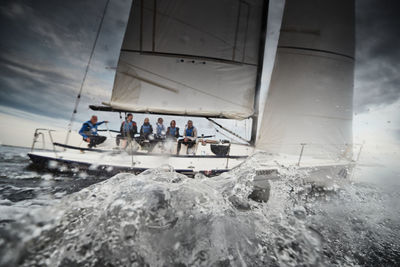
[[172, 131], [189, 137], [160, 129], [128, 127], [146, 130], [128, 130], [89, 132]]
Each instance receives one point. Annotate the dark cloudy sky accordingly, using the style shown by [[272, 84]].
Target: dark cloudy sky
[[45, 46], [377, 53]]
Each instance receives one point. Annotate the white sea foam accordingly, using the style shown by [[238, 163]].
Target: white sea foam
[[162, 218]]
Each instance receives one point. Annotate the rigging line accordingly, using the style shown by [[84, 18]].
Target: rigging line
[[185, 85], [227, 130], [86, 72], [231, 140]]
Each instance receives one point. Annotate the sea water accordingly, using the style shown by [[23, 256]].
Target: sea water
[[162, 218]]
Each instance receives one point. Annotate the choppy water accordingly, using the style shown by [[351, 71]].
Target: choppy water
[[162, 218]]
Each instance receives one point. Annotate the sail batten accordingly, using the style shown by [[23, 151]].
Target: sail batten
[[187, 56], [310, 97]]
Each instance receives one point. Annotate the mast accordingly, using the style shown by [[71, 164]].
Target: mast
[[254, 117]]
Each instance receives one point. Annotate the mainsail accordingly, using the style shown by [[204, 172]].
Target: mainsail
[[190, 57], [311, 91]]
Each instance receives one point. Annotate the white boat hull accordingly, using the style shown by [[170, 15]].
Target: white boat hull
[[116, 162], [110, 163]]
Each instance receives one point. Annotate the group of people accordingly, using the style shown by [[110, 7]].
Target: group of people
[[129, 129]]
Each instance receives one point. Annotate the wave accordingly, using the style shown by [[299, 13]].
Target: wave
[[162, 218]]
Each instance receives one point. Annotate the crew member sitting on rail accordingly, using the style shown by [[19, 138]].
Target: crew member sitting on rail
[[189, 137], [146, 130], [172, 131], [128, 130], [89, 132], [160, 130]]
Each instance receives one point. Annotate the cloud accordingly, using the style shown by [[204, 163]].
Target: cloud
[[45, 49], [29, 86], [377, 82]]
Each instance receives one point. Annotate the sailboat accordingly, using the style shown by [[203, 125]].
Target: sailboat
[[208, 59]]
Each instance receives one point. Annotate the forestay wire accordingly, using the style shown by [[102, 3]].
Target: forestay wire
[[78, 98]]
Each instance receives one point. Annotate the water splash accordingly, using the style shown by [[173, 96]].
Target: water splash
[[162, 218]]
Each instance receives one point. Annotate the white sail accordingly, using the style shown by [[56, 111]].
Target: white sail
[[191, 57], [311, 91]]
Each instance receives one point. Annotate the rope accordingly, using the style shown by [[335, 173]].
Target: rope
[[85, 75]]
